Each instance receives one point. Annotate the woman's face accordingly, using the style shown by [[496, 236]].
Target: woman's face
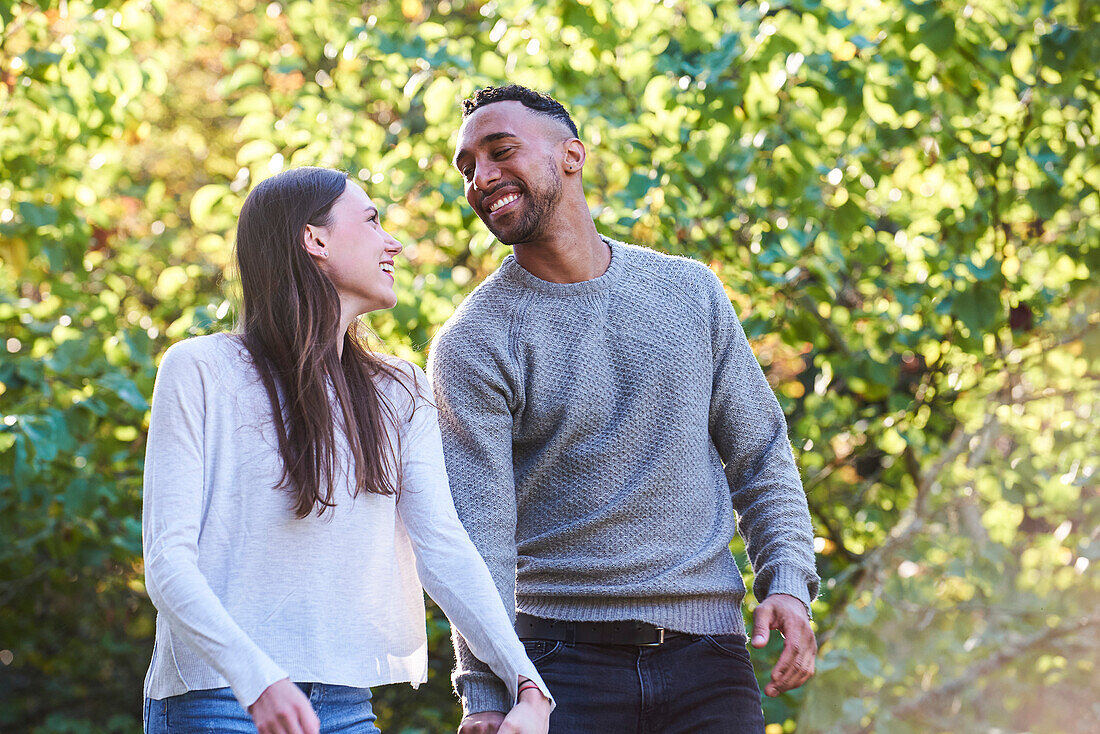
[[358, 253]]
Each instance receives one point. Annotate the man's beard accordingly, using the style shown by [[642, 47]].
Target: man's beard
[[537, 206]]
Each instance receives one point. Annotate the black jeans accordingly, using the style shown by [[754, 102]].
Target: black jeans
[[691, 684]]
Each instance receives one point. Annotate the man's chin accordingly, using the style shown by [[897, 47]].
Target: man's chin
[[504, 236], [513, 236]]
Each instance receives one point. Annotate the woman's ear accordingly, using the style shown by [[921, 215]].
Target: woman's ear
[[312, 243]]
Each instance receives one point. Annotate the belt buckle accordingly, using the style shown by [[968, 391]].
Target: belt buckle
[[660, 639]]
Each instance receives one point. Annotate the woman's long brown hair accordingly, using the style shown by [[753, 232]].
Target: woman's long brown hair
[[290, 315]]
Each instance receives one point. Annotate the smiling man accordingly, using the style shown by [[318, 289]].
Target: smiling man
[[607, 429]]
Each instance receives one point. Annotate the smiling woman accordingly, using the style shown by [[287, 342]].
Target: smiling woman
[[356, 254], [313, 234], [292, 480]]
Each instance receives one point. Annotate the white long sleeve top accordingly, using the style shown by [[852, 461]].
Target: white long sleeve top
[[248, 594]]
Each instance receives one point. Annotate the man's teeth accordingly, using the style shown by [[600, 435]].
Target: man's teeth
[[386, 268], [501, 202]]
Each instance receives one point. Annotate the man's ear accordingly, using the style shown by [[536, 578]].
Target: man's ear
[[574, 155], [311, 242]]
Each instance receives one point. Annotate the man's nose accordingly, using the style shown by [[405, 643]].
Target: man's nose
[[486, 175]]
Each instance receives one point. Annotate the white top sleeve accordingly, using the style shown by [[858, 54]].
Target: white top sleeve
[[171, 517], [450, 569]]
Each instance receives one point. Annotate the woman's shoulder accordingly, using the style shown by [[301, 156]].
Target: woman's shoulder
[[400, 374], [405, 366], [403, 382], [222, 347], [218, 354]]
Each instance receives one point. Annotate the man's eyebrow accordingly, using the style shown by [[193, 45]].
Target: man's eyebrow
[[486, 139]]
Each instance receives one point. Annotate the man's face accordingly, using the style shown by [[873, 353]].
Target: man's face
[[508, 157]]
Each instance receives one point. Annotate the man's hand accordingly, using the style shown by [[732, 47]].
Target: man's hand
[[531, 715], [787, 614], [483, 722], [283, 709]]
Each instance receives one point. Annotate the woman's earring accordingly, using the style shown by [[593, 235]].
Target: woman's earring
[[324, 253]]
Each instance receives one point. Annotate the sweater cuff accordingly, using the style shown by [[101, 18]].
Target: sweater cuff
[[792, 581], [249, 672], [481, 692]]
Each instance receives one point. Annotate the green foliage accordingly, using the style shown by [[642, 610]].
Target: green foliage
[[901, 197]]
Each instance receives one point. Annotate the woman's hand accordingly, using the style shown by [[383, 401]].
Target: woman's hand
[[531, 715], [283, 709]]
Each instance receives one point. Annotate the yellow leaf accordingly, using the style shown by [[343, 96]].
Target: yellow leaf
[[1021, 63], [411, 9], [171, 279], [846, 52], [880, 112], [793, 389], [440, 101], [256, 150], [13, 253]]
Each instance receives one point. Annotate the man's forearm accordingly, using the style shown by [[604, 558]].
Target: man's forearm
[[479, 690]]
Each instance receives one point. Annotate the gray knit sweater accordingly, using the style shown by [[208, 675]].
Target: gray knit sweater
[[595, 434]]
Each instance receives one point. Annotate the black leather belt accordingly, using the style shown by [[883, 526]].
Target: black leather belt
[[599, 633]]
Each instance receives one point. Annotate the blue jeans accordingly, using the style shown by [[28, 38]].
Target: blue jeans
[[691, 684], [341, 709]]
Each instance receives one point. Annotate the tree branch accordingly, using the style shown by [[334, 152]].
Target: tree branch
[[871, 573], [939, 697], [836, 536], [836, 339]]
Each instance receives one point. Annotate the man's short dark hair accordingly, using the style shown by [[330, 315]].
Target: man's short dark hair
[[544, 104]]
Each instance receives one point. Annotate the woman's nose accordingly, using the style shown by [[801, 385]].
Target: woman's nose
[[392, 244]]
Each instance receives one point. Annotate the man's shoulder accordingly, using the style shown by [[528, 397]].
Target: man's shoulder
[[481, 319], [646, 262], [688, 281]]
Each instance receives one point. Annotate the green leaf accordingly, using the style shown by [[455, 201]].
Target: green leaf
[[938, 33], [861, 616], [205, 200], [38, 215], [977, 307], [245, 75], [125, 389], [638, 186], [868, 665]]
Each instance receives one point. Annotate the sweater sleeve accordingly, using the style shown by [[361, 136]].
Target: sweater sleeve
[[476, 423], [452, 571], [749, 429], [172, 512]]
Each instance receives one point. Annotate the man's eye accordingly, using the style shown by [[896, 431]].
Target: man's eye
[[501, 152], [467, 173]]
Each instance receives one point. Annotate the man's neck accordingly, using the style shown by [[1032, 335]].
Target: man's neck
[[569, 255]]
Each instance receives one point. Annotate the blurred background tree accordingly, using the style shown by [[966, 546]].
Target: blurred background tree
[[901, 197]]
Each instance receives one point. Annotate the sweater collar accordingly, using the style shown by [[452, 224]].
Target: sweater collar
[[516, 273]]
